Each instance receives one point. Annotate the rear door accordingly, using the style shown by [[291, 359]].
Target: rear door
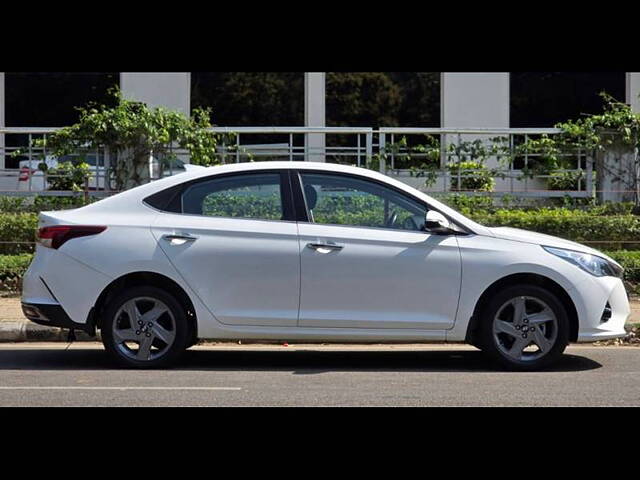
[[234, 240]]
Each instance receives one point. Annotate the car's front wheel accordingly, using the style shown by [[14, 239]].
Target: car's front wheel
[[524, 327], [145, 327]]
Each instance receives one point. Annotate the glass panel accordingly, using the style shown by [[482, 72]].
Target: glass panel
[[383, 99], [542, 99], [242, 196], [342, 200]]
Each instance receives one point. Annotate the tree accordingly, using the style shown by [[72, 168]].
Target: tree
[[132, 132], [420, 92], [250, 98], [353, 98], [362, 99], [614, 136]]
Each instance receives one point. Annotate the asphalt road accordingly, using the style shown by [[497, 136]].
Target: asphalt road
[[37, 374]]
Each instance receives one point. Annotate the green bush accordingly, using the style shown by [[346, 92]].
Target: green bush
[[467, 203], [68, 176], [12, 268], [570, 224], [611, 208], [474, 176], [39, 203], [13, 204], [566, 180], [630, 261], [17, 232], [484, 204]]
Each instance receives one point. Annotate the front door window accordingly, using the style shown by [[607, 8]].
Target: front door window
[[344, 200]]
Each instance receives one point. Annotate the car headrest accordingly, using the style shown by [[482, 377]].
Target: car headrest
[[311, 195]]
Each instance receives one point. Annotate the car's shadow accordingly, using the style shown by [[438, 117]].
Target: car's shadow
[[302, 362]]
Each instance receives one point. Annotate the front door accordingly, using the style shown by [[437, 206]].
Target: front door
[[366, 262]]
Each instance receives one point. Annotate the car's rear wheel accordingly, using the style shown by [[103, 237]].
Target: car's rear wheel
[[524, 327], [145, 327]]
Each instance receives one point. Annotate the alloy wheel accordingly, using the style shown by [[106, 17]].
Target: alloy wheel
[[144, 328], [525, 328]]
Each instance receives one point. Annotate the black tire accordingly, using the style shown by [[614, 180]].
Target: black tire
[[165, 358], [488, 341]]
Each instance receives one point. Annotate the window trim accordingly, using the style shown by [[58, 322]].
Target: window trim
[[286, 196], [300, 199]]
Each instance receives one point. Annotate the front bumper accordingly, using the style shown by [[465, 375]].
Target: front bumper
[[53, 315], [594, 296]]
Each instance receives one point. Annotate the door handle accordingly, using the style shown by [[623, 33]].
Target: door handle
[[325, 247], [179, 238]]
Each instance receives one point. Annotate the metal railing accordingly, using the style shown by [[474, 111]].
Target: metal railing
[[338, 144], [513, 178], [380, 149]]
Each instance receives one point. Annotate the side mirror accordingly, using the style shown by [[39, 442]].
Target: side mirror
[[435, 222]]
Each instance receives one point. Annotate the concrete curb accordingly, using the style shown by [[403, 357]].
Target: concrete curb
[[32, 332], [16, 331]]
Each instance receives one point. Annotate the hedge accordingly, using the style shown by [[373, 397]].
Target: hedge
[[17, 232], [12, 267], [39, 203], [469, 204], [630, 260], [572, 225]]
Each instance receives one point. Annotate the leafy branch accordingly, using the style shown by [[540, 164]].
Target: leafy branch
[[134, 134]]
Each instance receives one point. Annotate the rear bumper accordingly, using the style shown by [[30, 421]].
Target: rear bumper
[[54, 278], [53, 315]]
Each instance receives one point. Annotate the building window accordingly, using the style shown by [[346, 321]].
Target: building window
[[250, 98], [49, 99], [542, 99], [383, 99]]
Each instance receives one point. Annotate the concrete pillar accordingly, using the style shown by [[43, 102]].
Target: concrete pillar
[[2, 122], [171, 90], [473, 100], [314, 114], [168, 89], [633, 90]]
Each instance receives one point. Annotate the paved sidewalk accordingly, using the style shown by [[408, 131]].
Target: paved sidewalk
[[10, 310], [15, 327]]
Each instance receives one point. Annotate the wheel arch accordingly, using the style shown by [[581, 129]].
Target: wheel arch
[[144, 279], [523, 279]]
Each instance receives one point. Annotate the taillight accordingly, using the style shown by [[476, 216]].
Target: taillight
[[54, 237]]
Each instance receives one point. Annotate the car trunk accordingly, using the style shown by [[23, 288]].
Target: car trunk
[[46, 219]]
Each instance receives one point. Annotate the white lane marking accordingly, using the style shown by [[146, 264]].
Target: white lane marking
[[120, 388]]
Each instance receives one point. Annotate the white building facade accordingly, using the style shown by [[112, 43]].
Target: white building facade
[[467, 99]]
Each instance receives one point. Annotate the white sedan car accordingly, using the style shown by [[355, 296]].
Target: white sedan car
[[304, 251]]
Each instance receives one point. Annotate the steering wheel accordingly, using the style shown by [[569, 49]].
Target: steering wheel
[[392, 218]]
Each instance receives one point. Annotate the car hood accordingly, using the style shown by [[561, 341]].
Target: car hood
[[527, 236]]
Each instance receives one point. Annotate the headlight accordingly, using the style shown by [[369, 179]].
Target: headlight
[[597, 266]]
